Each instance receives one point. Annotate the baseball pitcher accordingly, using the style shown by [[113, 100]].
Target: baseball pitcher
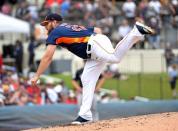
[[88, 43]]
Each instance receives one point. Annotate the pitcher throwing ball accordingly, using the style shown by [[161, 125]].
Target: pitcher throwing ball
[[88, 43]]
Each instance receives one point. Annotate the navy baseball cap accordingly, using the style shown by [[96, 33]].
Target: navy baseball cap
[[51, 17]]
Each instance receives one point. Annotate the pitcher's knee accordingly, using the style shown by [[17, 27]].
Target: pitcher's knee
[[114, 60], [88, 80], [85, 79]]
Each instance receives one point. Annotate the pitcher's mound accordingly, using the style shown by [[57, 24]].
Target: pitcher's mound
[[153, 122]]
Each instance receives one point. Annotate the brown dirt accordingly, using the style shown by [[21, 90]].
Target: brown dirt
[[153, 122]]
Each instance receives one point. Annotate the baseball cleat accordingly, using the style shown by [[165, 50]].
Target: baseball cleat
[[79, 121], [143, 29]]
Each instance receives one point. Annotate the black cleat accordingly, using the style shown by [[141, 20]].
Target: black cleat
[[143, 29], [79, 121]]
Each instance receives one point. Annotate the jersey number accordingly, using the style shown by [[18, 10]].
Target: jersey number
[[78, 27]]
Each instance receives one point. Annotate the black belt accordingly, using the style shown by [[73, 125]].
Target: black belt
[[88, 50]]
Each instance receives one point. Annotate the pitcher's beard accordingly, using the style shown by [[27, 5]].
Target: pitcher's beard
[[49, 31]]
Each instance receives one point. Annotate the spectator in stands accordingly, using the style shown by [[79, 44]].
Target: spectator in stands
[[88, 9], [44, 10], [58, 89], [156, 5], [33, 11], [34, 94], [129, 10], [151, 12], [71, 98], [112, 70], [19, 97], [31, 50], [13, 81], [102, 8], [175, 6], [172, 72], [107, 96], [151, 18], [114, 96], [5, 89], [124, 29], [2, 97], [142, 9], [103, 16], [52, 95], [18, 53], [23, 12], [55, 7], [65, 6], [166, 12], [62, 91], [33, 16], [154, 40], [6, 8], [106, 24], [169, 56], [49, 3]]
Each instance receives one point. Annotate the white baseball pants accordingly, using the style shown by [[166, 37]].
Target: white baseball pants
[[94, 109], [102, 52]]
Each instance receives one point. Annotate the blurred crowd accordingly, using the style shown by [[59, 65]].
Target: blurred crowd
[[114, 17], [16, 89]]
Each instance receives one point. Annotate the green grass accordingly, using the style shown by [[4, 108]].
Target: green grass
[[152, 86]]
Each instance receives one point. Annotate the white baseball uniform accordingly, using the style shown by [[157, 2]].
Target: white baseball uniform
[[102, 52]]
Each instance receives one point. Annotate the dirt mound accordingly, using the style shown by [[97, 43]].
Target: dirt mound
[[153, 122]]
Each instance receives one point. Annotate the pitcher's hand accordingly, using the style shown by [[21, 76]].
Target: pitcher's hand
[[34, 80]]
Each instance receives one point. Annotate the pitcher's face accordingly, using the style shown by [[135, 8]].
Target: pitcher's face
[[49, 27]]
